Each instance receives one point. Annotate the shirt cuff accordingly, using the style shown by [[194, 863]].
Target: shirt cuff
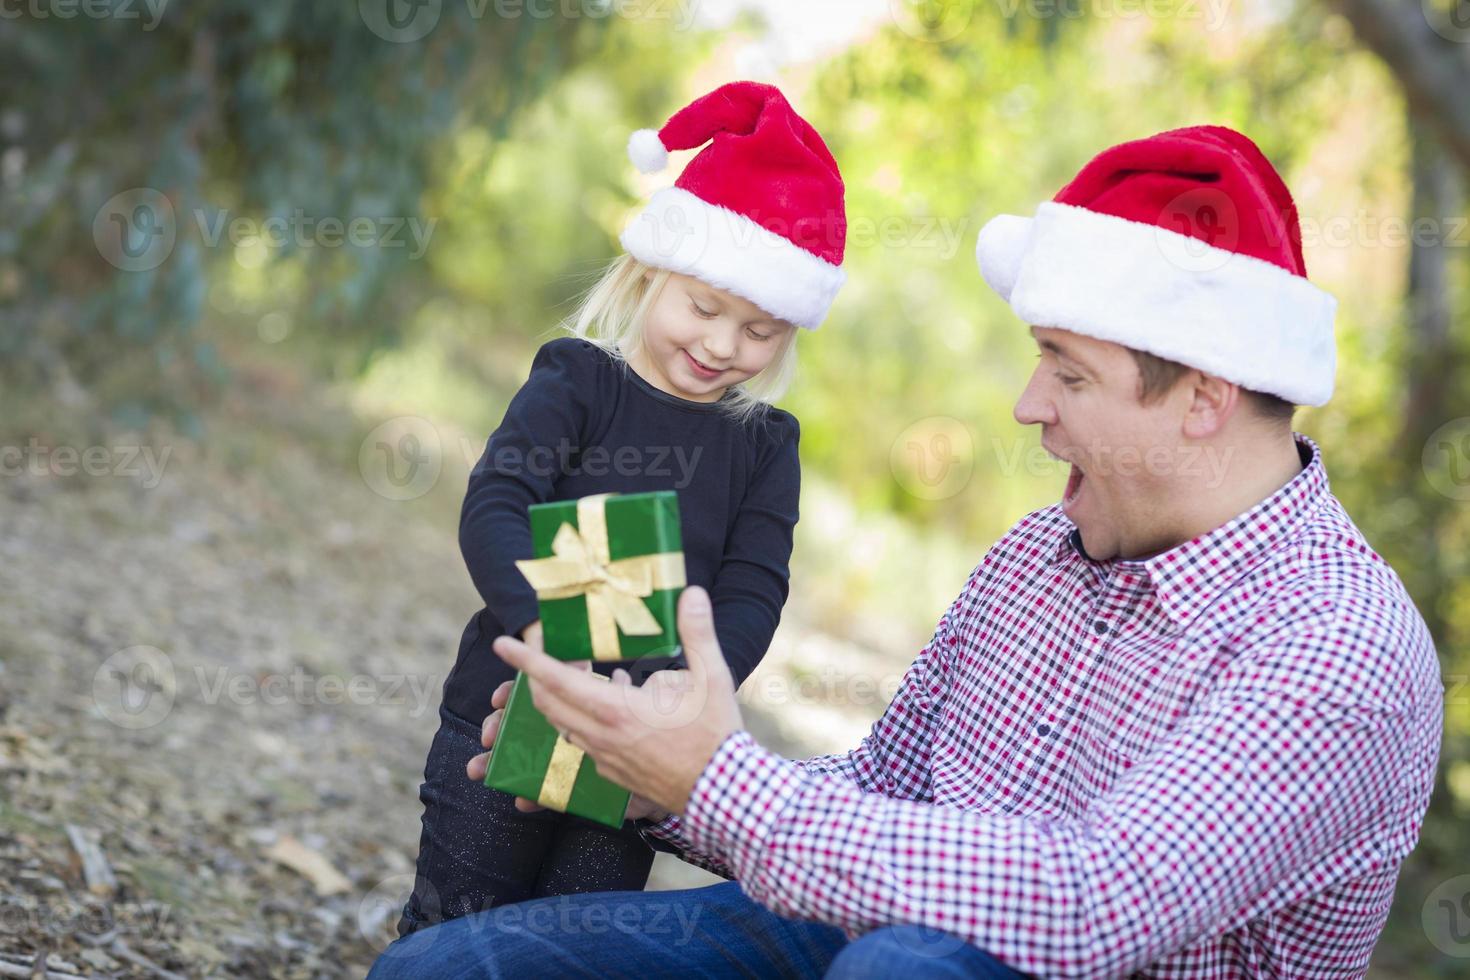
[[666, 829], [738, 800]]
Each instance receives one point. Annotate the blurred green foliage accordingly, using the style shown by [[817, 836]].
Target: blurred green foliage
[[240, 111]]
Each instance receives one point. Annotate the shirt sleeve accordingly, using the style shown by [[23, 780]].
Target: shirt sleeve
[[548, 419], [751, 585], [1285, 758], [893, 758]]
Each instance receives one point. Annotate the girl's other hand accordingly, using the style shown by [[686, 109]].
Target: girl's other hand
[[531, 636]]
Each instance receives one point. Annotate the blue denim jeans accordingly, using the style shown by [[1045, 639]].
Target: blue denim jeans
[[714, 931]]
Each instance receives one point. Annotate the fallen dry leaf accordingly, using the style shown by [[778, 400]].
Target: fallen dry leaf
[[310, 864]]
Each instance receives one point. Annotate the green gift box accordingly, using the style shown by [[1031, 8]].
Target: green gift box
[[531, 760], [607, 573]]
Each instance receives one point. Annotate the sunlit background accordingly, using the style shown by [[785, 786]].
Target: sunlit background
[[234, 448]]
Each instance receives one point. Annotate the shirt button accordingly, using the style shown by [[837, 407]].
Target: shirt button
[[1100, 627], [1043, 730]]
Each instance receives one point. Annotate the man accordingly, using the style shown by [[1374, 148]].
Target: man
[[1184, 723]]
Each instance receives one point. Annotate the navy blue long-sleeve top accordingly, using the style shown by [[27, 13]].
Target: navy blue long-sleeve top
[[585, 423]]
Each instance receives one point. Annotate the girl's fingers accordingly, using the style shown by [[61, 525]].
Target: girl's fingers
[[501, 695], [491, 728], [475, 769]]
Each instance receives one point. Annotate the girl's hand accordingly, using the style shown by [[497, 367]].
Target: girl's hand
[[531, 636]]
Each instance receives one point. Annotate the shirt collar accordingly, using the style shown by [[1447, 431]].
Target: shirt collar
[[1188, 577]]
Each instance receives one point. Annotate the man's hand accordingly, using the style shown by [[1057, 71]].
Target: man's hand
[[638, 807], [656, 739]]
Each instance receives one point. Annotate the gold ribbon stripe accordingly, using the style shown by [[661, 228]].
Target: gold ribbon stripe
[[561, 772]]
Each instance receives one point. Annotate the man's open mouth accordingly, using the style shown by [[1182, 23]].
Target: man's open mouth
[[1074, 484]]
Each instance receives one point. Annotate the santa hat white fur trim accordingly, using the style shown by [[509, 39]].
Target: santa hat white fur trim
[[683, 233], [1230, 315], [647, 151]]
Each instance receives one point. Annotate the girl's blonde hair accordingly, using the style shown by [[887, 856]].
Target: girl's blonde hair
[[611, 316]]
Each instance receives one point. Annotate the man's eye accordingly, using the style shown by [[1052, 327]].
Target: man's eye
[[1068, 379]]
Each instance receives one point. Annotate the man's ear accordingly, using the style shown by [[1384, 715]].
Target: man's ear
[[1212, 401]]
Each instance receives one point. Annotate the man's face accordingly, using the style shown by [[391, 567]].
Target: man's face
[[1123, 483]]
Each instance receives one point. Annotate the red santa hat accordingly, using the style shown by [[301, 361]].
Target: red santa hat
[[759, 212], [1185, 245]]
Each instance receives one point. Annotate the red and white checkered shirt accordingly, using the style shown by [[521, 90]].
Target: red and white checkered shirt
[[1209, 763]]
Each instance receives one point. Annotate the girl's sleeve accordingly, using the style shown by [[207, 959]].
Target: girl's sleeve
[[751, 585], [548, 419]]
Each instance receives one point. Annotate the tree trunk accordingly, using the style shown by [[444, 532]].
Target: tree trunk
[[1430, 355], [1426, 43]]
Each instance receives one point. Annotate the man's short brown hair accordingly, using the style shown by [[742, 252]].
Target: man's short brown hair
[[1157, 376]]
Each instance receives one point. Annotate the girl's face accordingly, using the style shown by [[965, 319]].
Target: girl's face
[[699, 340]]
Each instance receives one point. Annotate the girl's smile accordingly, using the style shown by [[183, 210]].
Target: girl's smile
[[702, 371]]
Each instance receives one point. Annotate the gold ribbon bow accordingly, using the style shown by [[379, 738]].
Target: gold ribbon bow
[[615, 590]]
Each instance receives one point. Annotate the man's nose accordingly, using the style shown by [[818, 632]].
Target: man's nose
[[1034, 407]]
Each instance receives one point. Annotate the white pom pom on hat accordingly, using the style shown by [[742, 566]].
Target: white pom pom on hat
[[647, 151], [1000, 249]]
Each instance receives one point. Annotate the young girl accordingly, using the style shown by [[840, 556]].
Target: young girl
[[665, 384]]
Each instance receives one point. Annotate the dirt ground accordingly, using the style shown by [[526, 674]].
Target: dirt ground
[[219, 671]]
